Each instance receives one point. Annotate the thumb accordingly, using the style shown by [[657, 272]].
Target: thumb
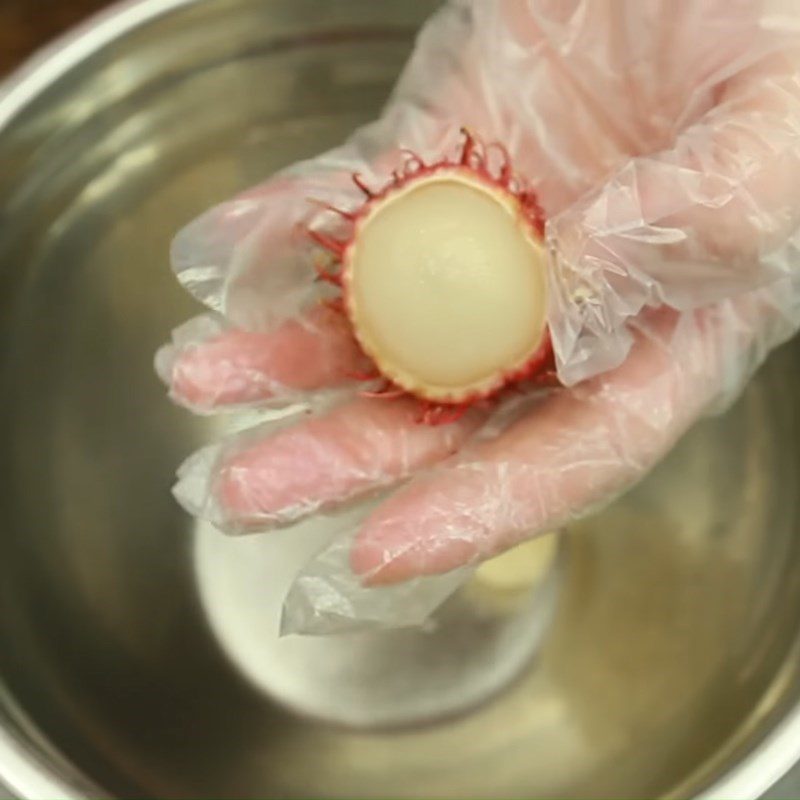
[[712, 217]]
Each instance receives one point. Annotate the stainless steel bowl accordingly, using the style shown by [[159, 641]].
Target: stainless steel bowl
[[670, 667]]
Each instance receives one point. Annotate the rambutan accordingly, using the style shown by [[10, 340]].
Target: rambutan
[[443, 279]]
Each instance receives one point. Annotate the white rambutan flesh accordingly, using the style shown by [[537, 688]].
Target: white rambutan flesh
[[445, 287]]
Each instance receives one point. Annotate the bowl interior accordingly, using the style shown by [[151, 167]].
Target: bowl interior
[[671, 649]]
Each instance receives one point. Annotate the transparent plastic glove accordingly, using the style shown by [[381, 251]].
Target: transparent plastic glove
[[663, 143]]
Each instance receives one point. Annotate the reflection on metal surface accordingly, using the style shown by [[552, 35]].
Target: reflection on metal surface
[[670, 653], [477, 643]]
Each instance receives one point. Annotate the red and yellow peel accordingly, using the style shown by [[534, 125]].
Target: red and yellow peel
[[443, 280]]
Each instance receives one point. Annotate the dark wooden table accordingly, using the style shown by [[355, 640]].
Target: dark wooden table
[[28, 24]]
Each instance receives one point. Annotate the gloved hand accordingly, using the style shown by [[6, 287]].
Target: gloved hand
[[663, 143]]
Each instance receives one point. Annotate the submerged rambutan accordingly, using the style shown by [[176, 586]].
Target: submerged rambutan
[[443, 279]]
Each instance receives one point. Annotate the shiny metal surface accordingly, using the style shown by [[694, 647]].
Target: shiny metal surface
[[670, 667]]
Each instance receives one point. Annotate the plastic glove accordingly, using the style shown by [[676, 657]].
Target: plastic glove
[[663, 142]]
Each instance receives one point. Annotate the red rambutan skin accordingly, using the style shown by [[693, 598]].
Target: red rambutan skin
[[472, 159]]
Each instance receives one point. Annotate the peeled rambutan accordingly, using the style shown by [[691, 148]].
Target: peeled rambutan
[[443, 279]]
